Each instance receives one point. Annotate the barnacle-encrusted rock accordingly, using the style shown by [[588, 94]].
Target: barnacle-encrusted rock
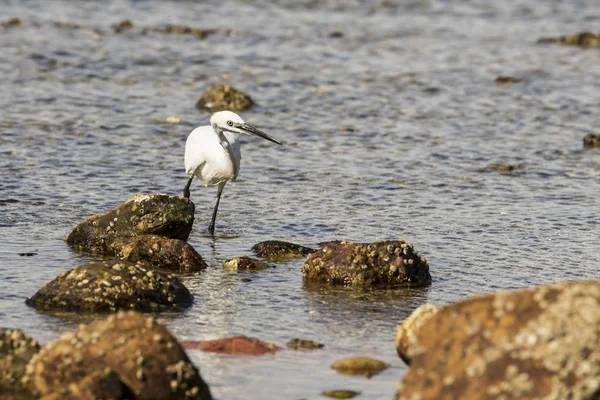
[[236, 345], [407, 334], [278, 251], [160, 252], [359, 366], [102, 384], [224, 97], [385, 262], [108, 286], [591, 140], [146, 357], [582, 39], [16, 349], [304, 344], [539, 343], [124, 25], [155, 214], [244, 264]]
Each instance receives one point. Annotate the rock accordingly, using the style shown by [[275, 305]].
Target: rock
[[146, 357], [304, 344], [507, 79], [159, 252], [581, 39], [591, 140], [68, 25], [507, 169], [124, 25], [16, 349], [12, 22], [385, 262], [408, 332], [538, 343], [340, 394], [108, 286], [278, 251], [245, 264], [157, 214], [185, 30], [103, 384], [224, 97], [359, 366], [236, 345]]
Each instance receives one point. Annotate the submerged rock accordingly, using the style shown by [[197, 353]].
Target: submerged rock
[[536, 343], [407, 334], [581, 39], [224, 97], [591, 140], [278, 251], [236, 345], [159, 252], [385, 262], [359, 366], [11, 22], [304, 344], [507, 169], [340, 394], [16, 350], [184, 30], [244, 264], [124, 25], [507, 79], [158, 214], [108, 286], [144, 355]]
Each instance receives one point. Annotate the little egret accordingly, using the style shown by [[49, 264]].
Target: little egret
[[212, 153]]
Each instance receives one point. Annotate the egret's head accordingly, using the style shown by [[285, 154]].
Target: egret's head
[[227, 121]]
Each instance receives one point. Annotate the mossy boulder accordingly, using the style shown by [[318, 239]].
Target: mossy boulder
[[244, 264], [159, 252], [581, 39], [107, 286], [157, 214], [407, 334], [386, 262], [224, 97], [144, 355], [278, 251], [16, 350], [538, 343]]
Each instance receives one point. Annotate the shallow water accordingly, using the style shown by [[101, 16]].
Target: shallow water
[[389, 133]]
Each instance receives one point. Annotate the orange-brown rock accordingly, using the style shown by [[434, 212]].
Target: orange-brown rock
[[236, 345], [539, 343], [388, 262], [407, 334]]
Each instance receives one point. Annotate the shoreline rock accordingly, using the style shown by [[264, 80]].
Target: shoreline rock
[[408, 332], [224, 97], [16, 350], [245, 264], [279, 251]]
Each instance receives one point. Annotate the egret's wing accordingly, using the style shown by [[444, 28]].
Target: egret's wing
[[196, 149], [234, 142]]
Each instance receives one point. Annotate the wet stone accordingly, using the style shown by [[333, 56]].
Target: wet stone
[[507, 169], [581, 39], [245, 264], [103, 384], [297, 344], [12, 22], [16, 350], [407, 333], [124, 343], [184, 30], [112, 285], [224, 97], [591, 140], [340, 394], [278, 251], [236, 345], [122, 26], [359, 366], [504, 79], [381, 263]]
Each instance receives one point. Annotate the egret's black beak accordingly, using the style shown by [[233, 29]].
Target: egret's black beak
[[253, 131]]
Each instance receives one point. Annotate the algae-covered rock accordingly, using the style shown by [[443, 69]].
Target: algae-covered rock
[[244, 264], [386, 262], [122, 26], [297, 344], [407, 334], [224, 97], [158, 214], [359, 366], [16, 350], [340, 393], [159, 252], [278, 251], [146, 357], [108, 286], [591, 140], [236, 345], [581, 39], [538, 343], [103, 384]]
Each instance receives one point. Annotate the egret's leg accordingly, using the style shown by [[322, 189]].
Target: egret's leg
[[211, 227], [186, 190]]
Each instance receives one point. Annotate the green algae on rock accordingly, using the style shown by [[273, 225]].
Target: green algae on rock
[[340, 394], [581, 39], [245, 264], [159, 252], [16, 350], [537, 343], [386, 262], [407, 334], [108, 286], [224, 97], [359, 366], [304, 344], [278, 251], [146, 357]]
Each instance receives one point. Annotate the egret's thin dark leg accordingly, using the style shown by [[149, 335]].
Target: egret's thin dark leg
[[211, 227], [186, 190]]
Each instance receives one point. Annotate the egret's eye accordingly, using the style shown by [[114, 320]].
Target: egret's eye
[[230, 123]]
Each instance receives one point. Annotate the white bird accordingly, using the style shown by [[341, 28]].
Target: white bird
[[212, 153]]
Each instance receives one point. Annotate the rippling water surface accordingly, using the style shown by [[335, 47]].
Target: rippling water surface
[[391, 120]]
